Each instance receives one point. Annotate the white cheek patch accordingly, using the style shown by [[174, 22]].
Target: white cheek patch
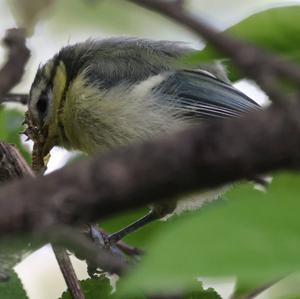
[[36, 92], [35, 95]]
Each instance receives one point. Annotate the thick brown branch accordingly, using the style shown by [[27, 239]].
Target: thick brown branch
[[18, 55], [202, 157], [12, 164]]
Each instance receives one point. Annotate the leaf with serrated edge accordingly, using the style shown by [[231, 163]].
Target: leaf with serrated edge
[[253, 235]]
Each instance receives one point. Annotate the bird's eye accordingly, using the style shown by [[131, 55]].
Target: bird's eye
[[42, 105]]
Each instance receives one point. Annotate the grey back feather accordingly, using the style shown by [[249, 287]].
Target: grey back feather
[[199, 95]]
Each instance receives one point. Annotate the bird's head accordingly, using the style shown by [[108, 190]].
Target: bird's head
[[44, 106]]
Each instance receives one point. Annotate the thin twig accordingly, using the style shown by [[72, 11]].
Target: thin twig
[[100, 257], [15, 98], [124, 247], [68, 272]]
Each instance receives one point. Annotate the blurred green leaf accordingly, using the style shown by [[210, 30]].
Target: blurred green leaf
[[100, 288], [12, 250], [255, 236], [287, 288], [12, 288], [92, 288], [243, 290], [276, 30], [10, 128], [100, 13]]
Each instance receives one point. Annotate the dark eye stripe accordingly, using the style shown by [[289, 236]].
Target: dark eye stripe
[[43, 101], [42, 105]]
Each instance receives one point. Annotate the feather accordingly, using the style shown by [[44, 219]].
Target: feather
[[200, 94]]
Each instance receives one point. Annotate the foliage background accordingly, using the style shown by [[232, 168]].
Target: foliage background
[[70, 21]]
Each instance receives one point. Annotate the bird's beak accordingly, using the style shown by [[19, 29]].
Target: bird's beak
[[42, 144], [41, 151]]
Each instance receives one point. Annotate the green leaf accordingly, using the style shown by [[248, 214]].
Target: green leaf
[[12, 288], [195, 291], [100, 288], [290, 297], [93, 288], [254, 236], [276, 30], [243, 290], [204, 294], [12, 250]]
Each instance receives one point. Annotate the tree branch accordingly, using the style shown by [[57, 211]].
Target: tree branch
[[12, 164], [202, 157], [18, 55], [262, 67], [199, 158], [80, 244], [68, 272], [15, 98]]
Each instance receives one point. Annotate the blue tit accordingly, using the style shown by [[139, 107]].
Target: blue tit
[[95, 96]]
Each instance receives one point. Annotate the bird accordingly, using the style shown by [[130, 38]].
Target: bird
[[98, 95]]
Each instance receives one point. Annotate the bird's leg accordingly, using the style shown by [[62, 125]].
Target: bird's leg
[[117, 236]]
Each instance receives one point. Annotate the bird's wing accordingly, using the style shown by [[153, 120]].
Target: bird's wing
[[199, 94]]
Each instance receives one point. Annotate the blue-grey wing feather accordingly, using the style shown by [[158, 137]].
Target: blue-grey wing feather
[[199, 94]]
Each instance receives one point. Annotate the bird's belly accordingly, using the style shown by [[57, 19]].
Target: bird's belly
[[195, 201]]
